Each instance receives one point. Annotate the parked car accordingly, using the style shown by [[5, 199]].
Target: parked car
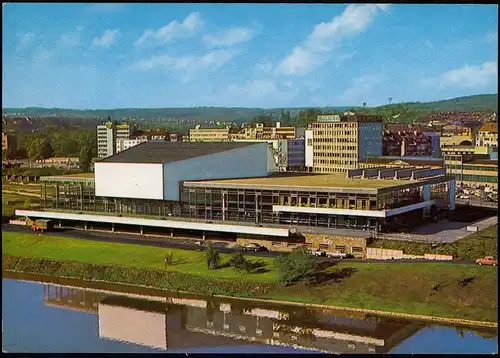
[[339, 255], [317, 252], [253, 247], [487, 260]]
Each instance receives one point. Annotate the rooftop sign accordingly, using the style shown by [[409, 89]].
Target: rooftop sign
[[329, 118]]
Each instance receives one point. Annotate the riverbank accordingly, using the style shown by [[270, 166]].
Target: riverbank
[[465, 292]]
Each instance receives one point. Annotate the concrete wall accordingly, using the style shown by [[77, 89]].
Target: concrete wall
[[129, 180], [332, 241], [386, 254], [314, 241], [370, 140], [251, 161]]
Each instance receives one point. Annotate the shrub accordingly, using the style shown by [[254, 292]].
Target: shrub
[[240, 263], [212, 257], [169, 258], [298, 266]]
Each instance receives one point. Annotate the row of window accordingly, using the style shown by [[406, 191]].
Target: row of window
[[479, 178]]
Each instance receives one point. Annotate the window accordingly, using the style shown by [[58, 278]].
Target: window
[[340, 248], [324, 246], [357, 250]]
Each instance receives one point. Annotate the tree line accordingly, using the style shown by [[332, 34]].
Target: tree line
[[54, 142]]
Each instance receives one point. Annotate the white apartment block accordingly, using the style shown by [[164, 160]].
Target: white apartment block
[[108, 136], [123, 144]]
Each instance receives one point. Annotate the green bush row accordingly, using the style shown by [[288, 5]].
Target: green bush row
[[171, 281], [483, 243]]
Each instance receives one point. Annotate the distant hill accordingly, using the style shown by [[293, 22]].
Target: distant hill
[[479, 103], [484, 102]]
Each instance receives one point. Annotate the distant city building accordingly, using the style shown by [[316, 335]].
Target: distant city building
[[5, 141], [309, 152], [123, 144], [288, 154], [9, 142], [487, 135], [340, 142], [471, 165], [259, 131], [108, 134], [198, 134], [403, 143]]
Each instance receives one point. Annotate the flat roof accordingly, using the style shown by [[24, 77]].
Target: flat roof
[[79, 177], [294, 181], [176, 224], [318, 180], [166, 152]]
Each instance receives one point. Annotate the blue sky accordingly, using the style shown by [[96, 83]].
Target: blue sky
[[88, 56]]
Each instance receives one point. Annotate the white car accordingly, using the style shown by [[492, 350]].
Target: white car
[[339, 255], [317, 252]]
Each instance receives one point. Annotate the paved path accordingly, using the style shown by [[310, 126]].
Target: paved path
[[184, 243]]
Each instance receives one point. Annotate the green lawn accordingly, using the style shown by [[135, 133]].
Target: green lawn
[[140, 256], [10, 202]]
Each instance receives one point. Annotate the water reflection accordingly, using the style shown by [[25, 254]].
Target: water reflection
[[180, 322]]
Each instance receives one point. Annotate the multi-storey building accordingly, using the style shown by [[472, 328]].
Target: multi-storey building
[[122, 144], [198, 134], [106, 140], [107, 136], [288, 155], [261, 132], [487, 135], [470, 168], [340, 142]]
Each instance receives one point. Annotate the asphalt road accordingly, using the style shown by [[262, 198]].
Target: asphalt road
[[186, 244]]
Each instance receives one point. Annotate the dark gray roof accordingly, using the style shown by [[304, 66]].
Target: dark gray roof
[[167, 152]]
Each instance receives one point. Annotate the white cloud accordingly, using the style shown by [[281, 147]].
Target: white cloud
[[72, 38], [326, 36], [106, 40], [470, 76], [173, 30], [361, 89], [25, 39], [254, 91], [188, 65], [229, 37]]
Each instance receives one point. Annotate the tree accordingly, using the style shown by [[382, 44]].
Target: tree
[[212, 257], [308, 116], [294, 267], [85, 159], [285, 118], [265, 119], [34, 148], [46, 150], [240, 263]]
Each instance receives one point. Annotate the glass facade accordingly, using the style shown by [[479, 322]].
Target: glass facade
[[255, 205]]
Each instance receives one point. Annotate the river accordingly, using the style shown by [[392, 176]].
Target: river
[[77, 317]]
